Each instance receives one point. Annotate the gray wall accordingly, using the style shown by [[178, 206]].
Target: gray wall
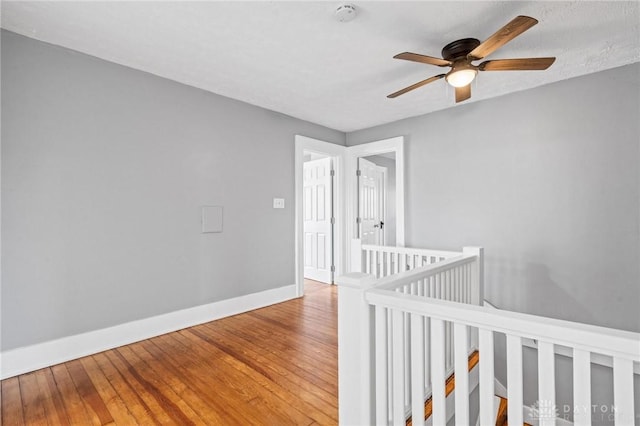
[[104, 170], [548, 181]]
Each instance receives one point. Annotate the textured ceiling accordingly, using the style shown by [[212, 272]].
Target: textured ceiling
[[294, 58]]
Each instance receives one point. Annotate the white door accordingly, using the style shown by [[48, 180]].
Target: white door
[[371, 202], [317, 214]]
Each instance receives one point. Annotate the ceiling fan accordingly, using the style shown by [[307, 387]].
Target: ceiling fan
[[460, 54]]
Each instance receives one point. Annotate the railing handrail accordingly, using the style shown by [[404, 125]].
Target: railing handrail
[[602, 340], [357, 325], [394, 281], [411, 250]]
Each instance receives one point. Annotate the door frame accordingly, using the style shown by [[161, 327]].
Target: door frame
[[337, 153], [395, 144], [344, 196]]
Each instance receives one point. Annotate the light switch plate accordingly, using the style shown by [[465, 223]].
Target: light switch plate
[[278, 203], [211, 219]]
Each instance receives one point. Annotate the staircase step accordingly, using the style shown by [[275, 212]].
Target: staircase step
[[450, 385], [501, 418]]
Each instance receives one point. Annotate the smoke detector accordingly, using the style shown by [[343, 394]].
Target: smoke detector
[[345, 13]]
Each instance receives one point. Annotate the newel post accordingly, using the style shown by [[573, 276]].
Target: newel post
[[477, 274], [355, 351]]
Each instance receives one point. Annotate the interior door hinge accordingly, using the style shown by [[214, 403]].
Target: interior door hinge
[[333, 220], [333, 268], [358, 220], [358, 173], [333, 173]]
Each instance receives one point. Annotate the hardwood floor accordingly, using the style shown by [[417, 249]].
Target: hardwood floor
[[273, 366]]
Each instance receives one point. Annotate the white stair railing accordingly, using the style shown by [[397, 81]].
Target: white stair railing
[[584, 340], [383, 261], [446, 275]]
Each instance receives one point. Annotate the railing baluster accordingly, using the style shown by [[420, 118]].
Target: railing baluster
[[447, 285], [372, 270], [448, 343], [546, 384], [414, 353], [389, 270], [623, 391], [398, 366], [381, 362], [514, 379], [460, 333], [427, 283], [455, 284], [438, 398], [427, 352], [407, 360], [417, 370], [487, 392], [468, 284], [389, 365], [461, 284], [367, 268], [581, 388]]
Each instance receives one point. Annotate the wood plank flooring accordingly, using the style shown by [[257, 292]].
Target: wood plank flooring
[[273, 366]]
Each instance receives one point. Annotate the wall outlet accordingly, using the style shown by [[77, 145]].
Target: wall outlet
[[278, 203]]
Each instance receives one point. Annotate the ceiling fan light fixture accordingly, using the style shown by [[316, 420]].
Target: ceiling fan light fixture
[[461, 77], [460, 54]]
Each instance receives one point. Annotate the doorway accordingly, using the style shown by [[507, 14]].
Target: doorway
[[345, 197], [319, 241], [387, 153], [377, 199], [318, 218]]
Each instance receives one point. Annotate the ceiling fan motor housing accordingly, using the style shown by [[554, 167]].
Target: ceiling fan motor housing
[[459, 49]]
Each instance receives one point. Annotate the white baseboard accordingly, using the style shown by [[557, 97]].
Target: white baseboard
[[30, 358]]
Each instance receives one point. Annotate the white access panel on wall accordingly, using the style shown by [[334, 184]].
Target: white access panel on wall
[[317, 217], [211, 219]]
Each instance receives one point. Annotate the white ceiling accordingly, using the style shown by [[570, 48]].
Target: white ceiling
[[294, 58]]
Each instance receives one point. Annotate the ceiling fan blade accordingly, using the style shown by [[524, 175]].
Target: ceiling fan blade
[[523, 64], [501, 37], [415, 86], [415, 57], [463, 93]]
